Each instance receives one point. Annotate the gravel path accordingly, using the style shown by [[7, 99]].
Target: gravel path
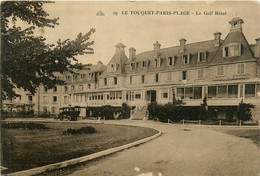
[[181, 151]]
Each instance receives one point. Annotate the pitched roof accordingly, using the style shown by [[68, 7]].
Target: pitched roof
[[119, 59], [234, 37], [192, 49]]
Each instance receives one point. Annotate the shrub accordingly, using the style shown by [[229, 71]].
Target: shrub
[[244, 111], [29, 126], [152, 108], [83, 130], [125, 111], [107, 112]]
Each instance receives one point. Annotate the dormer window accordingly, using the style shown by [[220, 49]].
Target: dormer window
[[157, 62], [144, 64], [89, 76], [202, 56], [170, 61], [82, 76], [231, 50], [112, 67], [186, 59], [132, 66], [75, 77]]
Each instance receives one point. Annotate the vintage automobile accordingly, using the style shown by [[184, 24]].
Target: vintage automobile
[[69, 113]]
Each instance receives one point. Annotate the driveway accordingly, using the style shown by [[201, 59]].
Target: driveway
[[180, 151]]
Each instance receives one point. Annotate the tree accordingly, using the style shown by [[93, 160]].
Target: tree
[[244, 111], [203, 115], [26, 60]]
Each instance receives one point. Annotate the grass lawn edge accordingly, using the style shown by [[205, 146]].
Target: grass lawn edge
[[89, 157]]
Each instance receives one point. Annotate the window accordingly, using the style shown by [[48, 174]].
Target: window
[[55, 99], [156, 77], [157, 62], [197, 92], [249, 90], [132, 66], [105, 81], [220, 71], [137, 96], [184, 75], [112, 67], [67, 78], [53, 110], [240, 69], [72, 88], [200, 73], [258, 90], [89, 86], [164, 93], [189, 92], [45, 100], [81, 88], [65, 88], [232, 91], [212, 92], [55, 89], [143, 78], [82, 76], [45, 109], [185, 58], [170, 61], [169, 76], [222, 92], [45, 89], [202, 56], [144, 64], [180, 93], [65, 99], [74, 77], [30, 99], [115, 80], [131, 80], [232, 50], [89, 76]]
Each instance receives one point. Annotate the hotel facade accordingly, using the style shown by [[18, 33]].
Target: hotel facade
[[226, 71]]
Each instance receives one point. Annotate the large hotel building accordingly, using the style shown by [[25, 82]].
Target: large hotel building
[[225, 70]]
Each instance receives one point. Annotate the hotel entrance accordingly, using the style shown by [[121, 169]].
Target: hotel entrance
[[151, 95]]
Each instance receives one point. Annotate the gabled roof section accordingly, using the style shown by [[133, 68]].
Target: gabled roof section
[[119, 59], [234, 37]]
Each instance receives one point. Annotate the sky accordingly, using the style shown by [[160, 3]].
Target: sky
[[142, 31]]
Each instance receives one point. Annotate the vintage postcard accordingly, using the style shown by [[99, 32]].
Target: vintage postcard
[[130, 88]]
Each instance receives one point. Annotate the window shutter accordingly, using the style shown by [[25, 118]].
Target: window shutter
[[168, 61], [198, 56], [223, 51]]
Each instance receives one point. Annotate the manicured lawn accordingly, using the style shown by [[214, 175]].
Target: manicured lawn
[[252, 134], [24, 149]]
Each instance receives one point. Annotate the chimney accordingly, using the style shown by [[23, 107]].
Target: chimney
[[156, 48], [182, 44], [132, 53], [217, 38], [257, 47]]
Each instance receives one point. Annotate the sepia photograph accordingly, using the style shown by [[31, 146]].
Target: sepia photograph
[[130, 88]]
